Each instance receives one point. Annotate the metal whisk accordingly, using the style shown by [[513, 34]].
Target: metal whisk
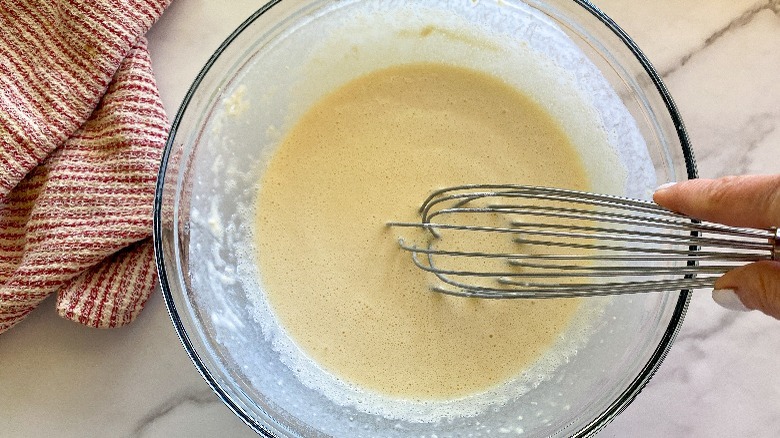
[[514, 241]]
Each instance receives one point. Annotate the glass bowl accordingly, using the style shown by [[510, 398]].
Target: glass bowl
[[289, 53]]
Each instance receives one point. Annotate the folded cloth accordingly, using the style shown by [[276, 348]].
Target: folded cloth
[[82, 129]]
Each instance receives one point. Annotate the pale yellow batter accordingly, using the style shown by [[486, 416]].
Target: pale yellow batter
[[369, 153]]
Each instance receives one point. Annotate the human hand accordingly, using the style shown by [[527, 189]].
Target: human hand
[[741, 201]]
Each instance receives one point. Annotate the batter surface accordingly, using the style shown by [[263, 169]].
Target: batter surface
[[332, 272]]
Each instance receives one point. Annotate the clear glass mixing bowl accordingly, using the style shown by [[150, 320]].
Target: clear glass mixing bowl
[[263, 77]]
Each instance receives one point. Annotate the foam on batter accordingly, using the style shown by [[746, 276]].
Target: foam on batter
[[358, 38]]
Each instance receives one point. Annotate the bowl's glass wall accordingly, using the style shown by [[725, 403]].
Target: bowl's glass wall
[[206, 190]]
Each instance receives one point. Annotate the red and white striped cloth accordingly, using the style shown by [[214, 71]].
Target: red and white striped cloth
[[81, 133]]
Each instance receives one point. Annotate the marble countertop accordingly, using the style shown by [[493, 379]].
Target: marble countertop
[[719, 58]]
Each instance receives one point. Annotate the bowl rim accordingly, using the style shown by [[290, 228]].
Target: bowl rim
[[607, 415]]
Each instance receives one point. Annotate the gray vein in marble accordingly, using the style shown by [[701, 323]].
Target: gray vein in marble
[[199, 399], [742, 20], [697, 335], [750, 136], [758, 128]]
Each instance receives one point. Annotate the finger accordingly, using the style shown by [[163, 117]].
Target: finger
[[741, 201], [757, 285]]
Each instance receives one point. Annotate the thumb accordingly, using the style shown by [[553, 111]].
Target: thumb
[[757, 286]]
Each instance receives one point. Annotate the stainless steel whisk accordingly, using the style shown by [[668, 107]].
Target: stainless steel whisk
[[566, 243]]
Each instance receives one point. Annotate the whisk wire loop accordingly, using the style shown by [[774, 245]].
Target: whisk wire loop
[[516, 241]]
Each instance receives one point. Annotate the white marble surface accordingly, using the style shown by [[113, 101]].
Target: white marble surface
[[721, 61]]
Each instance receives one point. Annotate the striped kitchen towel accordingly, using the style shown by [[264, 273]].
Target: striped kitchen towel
[[81, 134]]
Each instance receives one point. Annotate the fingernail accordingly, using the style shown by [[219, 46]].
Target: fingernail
[[728, 299], [665, 186]]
